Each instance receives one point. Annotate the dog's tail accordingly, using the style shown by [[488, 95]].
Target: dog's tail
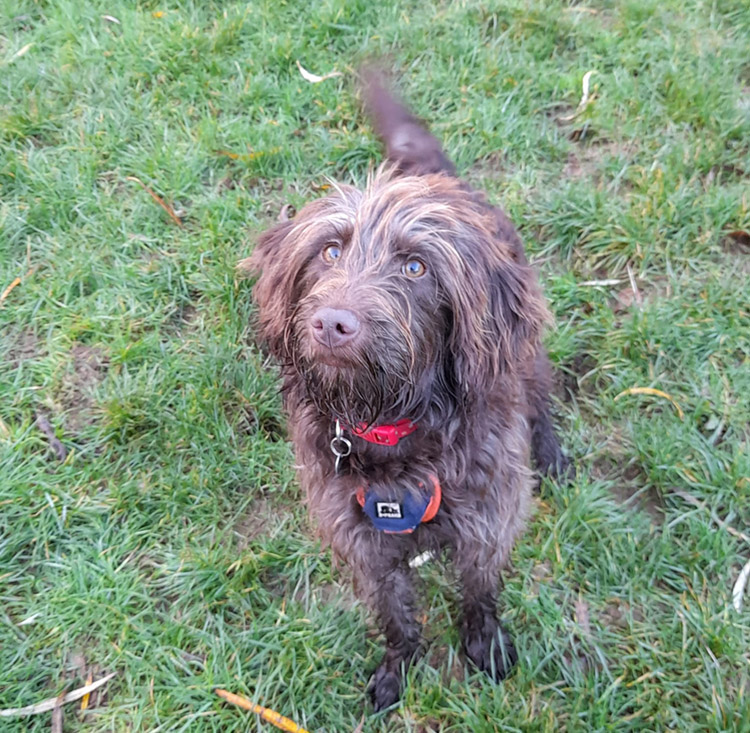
[[408, 143]]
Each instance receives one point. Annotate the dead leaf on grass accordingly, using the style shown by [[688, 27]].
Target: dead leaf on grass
[[21, 52], [53, 702], [625, 298], [585, 98], [314, 78], [655, 392], [738, 589]]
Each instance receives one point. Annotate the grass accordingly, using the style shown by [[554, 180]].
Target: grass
[[171, 545]]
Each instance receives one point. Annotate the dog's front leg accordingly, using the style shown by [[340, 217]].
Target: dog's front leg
[[391, 596]]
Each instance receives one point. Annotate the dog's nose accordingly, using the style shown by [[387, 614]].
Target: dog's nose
[[334, 326]]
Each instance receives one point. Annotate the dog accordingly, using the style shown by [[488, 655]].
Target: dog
[[407, 323]]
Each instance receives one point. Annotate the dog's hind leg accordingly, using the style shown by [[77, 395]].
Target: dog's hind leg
[[545, 446], [392, 598]]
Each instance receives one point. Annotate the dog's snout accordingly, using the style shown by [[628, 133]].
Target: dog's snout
[[334, 326]]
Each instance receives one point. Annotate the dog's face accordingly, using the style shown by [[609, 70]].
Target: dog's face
[[402, 300]]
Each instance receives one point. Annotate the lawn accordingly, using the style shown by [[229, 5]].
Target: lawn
[[150, 523]]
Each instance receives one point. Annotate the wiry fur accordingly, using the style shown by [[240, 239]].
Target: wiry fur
[[457, 351]]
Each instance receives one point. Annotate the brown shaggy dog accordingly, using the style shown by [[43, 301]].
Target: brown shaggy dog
[[408, 323]]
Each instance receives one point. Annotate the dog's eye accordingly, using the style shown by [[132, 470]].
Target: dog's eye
[[414, 268], [331, 253]]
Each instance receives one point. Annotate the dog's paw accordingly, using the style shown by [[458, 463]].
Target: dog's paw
[[492, 652], [556, 465], [385, 685], [562, 470]]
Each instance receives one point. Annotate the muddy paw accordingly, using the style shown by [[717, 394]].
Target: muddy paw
[[385, 685], [492, 652]]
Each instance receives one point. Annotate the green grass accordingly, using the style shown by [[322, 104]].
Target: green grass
[[171, 546]]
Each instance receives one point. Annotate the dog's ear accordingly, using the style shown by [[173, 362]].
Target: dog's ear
[[271, 262], [497, 324]]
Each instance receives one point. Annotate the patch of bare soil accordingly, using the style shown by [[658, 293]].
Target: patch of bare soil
[[188, 315], [630, 485], [585, 160], [89, 367], [339, 595], [442, 656], [262, 518], [25, 345], [247, 422], [567, 376], [185, 319], [494, 166], [618, 614]]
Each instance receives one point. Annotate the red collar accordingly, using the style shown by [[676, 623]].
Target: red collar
[[385, 434]]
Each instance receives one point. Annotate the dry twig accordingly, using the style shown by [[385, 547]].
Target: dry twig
[[87, 697], [57, 717], [634, 286], [159, 200], [16, 282], [54, 442], [270, 716], [9, 289]]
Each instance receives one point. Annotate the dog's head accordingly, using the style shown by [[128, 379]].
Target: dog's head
[[403, 300]]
